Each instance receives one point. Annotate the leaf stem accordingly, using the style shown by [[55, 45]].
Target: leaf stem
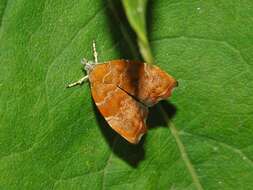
[[182, 150], [136, 15]]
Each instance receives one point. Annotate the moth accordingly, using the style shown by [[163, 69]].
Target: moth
[[123, 90]]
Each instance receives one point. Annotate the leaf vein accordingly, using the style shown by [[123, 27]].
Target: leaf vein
[[182, 151], [234, 149]]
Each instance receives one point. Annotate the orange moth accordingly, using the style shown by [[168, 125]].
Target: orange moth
[[123, 90]]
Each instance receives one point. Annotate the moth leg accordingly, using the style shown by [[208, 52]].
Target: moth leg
[[95, 54], [79, 82]]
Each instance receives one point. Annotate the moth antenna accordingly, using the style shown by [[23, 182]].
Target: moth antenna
[[95, 54]]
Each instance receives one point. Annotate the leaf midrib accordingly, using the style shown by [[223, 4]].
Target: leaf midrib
[[182, 150]]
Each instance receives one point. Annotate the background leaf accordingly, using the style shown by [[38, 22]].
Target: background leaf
[[136, 14], [53, 138]]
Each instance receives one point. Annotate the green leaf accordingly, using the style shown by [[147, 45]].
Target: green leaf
[[136, 14], [54, 138]]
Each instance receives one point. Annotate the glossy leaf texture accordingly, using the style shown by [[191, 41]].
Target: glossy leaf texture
[[54, 138]]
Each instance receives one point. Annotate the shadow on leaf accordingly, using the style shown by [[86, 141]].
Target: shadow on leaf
[[121, 31], [156, 118]]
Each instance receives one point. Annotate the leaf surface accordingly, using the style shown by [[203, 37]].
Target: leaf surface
[[54, 138]]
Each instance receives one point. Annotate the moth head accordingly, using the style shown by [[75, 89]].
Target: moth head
[[88, 65]]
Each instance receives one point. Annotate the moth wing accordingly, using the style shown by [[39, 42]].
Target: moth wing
[[155, 85], [147, 83], [122, 112]]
